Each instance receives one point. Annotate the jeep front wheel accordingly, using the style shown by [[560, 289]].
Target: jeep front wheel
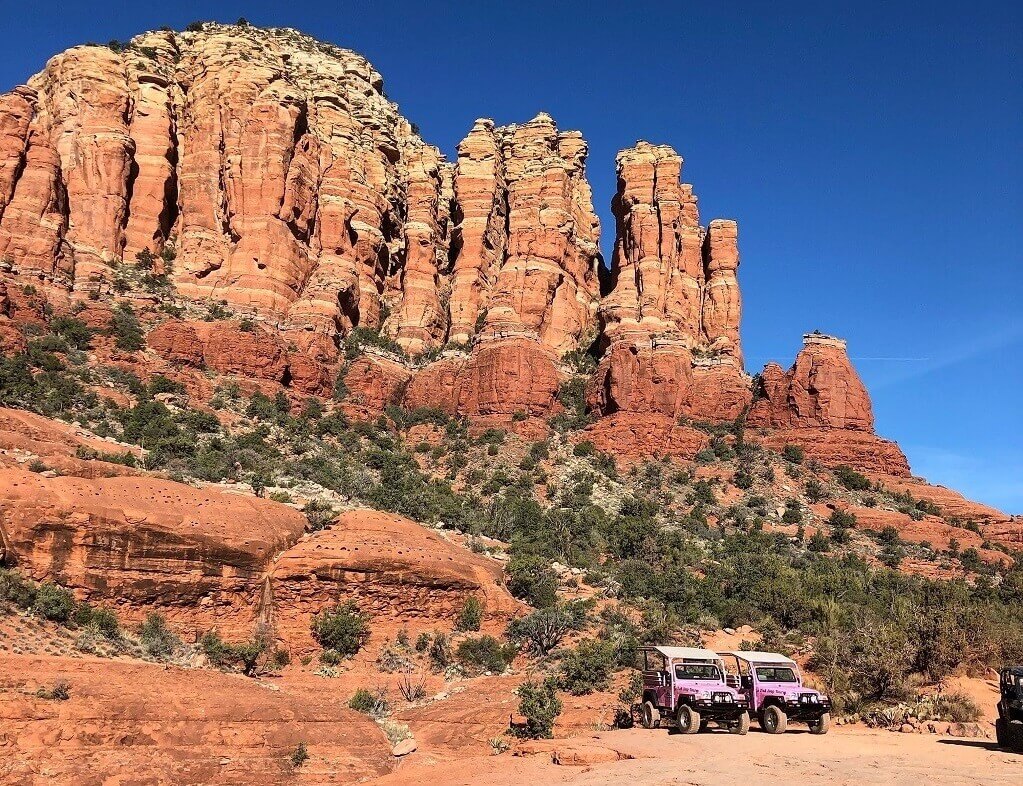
[[1001, 734], [741, 726], [775, 721], [650, 716], [821, 725], [688, 720]]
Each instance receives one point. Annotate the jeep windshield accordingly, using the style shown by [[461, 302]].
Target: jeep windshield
[[697, 671], [776, 674]]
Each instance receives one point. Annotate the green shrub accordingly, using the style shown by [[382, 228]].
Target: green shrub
[[319, 514], [75, 332], [793, 453], [703, 492], [217, 652], [531, 579], [588, 667], [300, 755], [362, 701], [743, 480], [343, 629], [248, 653], [103, 620], [484, 653], [53, 603], [125, 327], [851, 479], [819, 542], [369, 702], [542, 630], [841, 519], [16, 589], [793, 513], [540, 706], [157, 639], [814, 490], [584, 448], [471, 615]]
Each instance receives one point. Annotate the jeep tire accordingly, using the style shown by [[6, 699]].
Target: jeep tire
[[688, 720], [1001, 733], [821, 725], [774, 720], [741, 726], [649, 716]]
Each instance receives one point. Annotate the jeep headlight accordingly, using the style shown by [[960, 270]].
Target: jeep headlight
[[703, 694]]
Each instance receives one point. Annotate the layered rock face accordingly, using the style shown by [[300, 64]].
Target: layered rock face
[[821, 390], [671, 316], [144, 541], [402, 571], [272, 164], [527, 240], [268, 170], [255, 353], [821, 405]]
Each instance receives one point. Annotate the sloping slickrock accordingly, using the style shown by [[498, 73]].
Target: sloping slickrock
[[393, 568], [24, 435], [861, 450], [198, 555], [168, 725]]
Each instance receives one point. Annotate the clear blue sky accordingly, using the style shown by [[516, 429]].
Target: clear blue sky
[[873, 157]]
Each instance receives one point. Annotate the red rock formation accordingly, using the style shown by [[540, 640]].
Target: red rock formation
[[821, 390], [196, 554], [374, 381], [634, 435], [405, 572], [861, 450], [191, 726], [671, 318], [257, 353], [153, 205], [176, 341], [420, 320], [501, 377], [546, 285], [33, 221], [480, 235]]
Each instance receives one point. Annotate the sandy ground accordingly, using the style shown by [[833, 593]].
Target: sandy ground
[[845, 756]]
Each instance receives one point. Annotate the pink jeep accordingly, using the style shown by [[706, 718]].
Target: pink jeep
[[687, 685], [773, 686]]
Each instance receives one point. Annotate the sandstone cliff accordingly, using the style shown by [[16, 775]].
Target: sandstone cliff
[[267, 170], [671, 316]]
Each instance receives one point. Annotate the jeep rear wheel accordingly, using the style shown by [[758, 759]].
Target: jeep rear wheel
[[774, 720], [1001, 733], [741, 726], [821, 725], [650, 716], [688, 720]]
